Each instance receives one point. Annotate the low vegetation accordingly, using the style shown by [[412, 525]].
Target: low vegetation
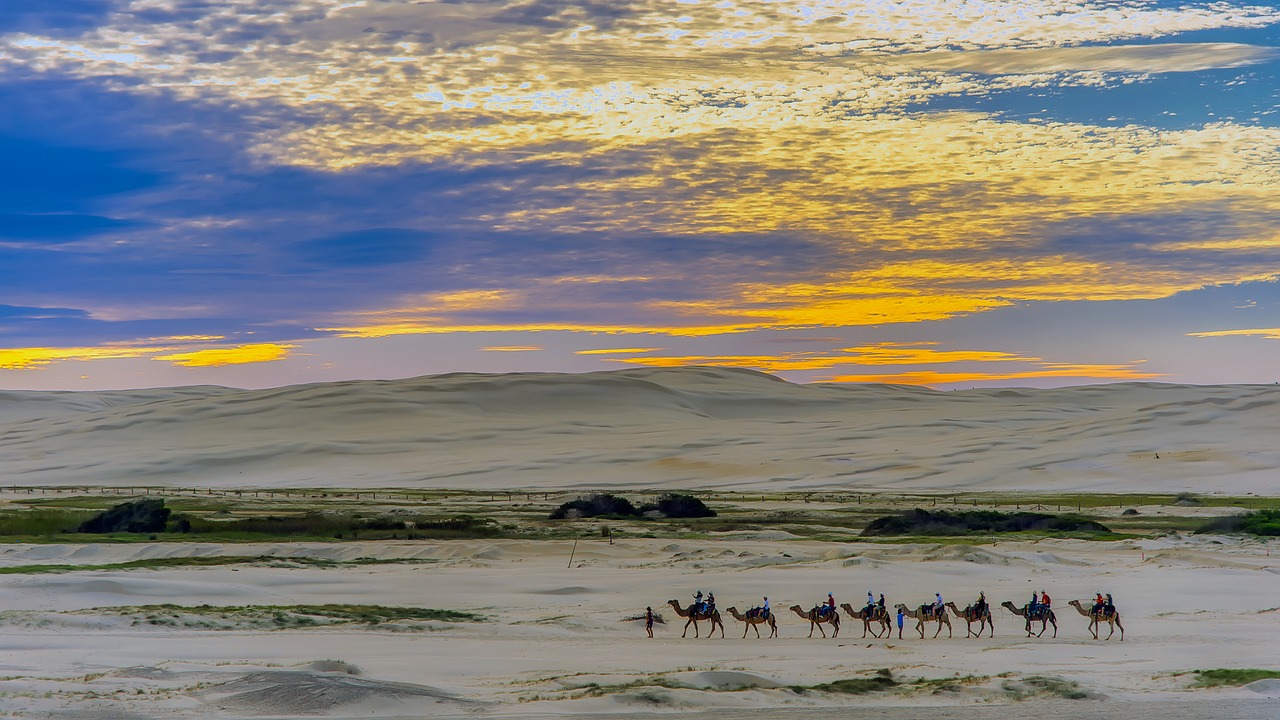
[[1232, 677], [150, 517], [977, 522], [1262, 522]]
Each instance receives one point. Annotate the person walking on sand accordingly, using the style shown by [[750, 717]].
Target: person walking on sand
[[648, 620], [900, 616]]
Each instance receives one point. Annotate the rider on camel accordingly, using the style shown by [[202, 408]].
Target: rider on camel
[[829, 606]]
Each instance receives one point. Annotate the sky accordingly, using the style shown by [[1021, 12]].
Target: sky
[[952, 193]]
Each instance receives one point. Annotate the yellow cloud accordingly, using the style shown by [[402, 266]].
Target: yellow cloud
[[1269, 333], [32, 358], [511, 348], [216, 357]]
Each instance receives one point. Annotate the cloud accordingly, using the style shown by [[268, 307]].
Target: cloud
[[1157, 58], [512, 348], [1269, 333], [239, 355], [616, 351], [260, 169]]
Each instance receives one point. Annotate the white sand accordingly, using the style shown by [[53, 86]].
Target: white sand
[[647, 428], [1193, 603], [1187, 603]]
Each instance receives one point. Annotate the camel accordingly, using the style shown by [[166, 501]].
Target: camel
[[1046, 618], [971, 616], [867, 619], [1095, 619], [694, 617], [924, 613], [752, 620], [816, 620]]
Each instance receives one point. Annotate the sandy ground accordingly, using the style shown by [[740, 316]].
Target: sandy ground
[[554, 640], [552, 631], [707, 428]]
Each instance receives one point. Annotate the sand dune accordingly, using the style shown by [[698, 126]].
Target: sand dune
[[645, 428]]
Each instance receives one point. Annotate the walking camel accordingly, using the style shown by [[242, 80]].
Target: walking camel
[[694, 617], [817, 619], [924, 613], [754, 619], [972, 616], [1045, 616], [867, 619], [1095, 619]]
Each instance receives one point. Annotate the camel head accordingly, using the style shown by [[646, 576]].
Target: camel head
[[900, 606]]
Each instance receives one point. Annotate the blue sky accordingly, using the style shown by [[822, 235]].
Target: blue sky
[[261, 192]]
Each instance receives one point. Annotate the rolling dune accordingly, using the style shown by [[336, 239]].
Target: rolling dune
[[649, 428]]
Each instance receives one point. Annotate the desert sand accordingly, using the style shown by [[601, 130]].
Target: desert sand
[[649, 428], [553, 637]]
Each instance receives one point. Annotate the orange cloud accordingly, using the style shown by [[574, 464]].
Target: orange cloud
[[616, 351], [511, 348]]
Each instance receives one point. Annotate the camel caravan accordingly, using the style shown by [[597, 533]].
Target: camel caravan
[[877, 619]]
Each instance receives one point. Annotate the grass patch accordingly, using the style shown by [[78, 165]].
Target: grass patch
[[1232, 677], [1039, 685], [161, 563], [287, 616], [882, 680]]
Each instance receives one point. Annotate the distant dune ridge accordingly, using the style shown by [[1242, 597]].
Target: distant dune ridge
[[692, 427]]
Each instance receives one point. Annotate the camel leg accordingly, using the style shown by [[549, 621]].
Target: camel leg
[[992, 625], [773, 627], [1055, 627], [721, 629], [920, 628], [835, 630], [1121, 627]]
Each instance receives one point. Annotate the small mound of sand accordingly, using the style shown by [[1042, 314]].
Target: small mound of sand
[[332, 666], [284, 692], [729, 680], [573, 590], [1269, 687]]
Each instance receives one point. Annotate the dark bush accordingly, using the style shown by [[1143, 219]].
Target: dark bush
[[597, 505], [676, 505], [923, 522], [144, 515], [1262, 522]]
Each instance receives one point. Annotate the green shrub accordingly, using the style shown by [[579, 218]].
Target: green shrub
[[596, 505], [144, 515], [1261, 522], [677, 505]]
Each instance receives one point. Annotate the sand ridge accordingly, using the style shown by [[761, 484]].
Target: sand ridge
[[649, 428]]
